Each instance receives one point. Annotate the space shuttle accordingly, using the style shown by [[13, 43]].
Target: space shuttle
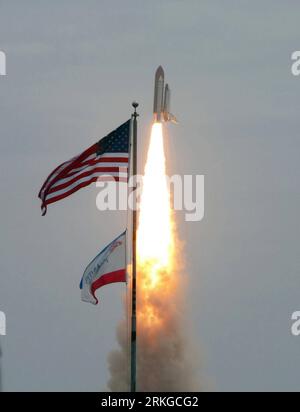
[[162, 95]]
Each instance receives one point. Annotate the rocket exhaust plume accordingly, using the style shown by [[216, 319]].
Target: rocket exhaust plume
[[165, 361]]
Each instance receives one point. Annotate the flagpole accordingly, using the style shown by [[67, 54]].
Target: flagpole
[[134, 229]]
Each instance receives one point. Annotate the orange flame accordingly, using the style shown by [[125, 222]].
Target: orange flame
[[164, 359], [155, 237]]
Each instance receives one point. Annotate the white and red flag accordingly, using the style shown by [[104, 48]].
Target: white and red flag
[[109, 266], [106, 160]]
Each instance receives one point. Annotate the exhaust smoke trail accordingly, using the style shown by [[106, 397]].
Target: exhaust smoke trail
[[165, 360]]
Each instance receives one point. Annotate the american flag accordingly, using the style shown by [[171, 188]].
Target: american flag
[[106, 160]]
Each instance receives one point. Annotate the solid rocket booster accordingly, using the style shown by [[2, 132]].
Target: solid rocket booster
[[162, 95]]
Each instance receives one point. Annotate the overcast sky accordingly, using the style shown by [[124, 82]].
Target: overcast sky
[[73, 68]]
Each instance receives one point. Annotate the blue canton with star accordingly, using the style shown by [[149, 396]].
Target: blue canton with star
[[115, 142]]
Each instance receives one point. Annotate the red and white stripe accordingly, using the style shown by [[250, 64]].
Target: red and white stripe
[[82, 170]]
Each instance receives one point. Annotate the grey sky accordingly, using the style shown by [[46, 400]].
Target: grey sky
[[73, 69]]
